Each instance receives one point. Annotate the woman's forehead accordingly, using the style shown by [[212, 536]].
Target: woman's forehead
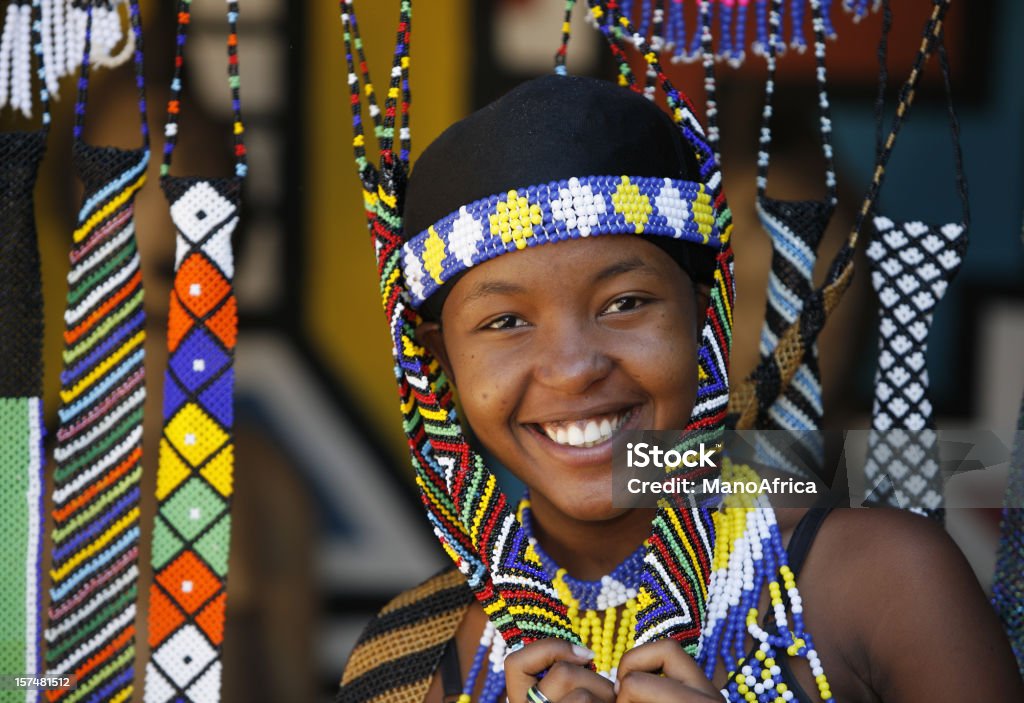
[[555, 266]]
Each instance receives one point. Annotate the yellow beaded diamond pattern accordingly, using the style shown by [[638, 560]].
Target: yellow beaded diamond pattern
[[514, 219], [635, 207]]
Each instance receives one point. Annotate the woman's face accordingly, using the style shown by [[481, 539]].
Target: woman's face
[[558, 348]]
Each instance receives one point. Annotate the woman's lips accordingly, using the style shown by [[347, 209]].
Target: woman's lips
[[585, 440]]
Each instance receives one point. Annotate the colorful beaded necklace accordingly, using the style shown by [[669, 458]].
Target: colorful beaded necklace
[[603, 614], [749, 555]]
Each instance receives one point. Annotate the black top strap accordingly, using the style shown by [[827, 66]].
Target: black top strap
[[807, 529], [954, 123], [451, 675]]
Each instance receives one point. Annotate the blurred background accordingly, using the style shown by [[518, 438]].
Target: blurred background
[[327, 523]]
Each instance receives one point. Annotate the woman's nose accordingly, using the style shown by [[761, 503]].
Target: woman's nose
[[571, 358]]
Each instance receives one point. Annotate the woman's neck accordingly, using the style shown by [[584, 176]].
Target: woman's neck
[[588, 550]]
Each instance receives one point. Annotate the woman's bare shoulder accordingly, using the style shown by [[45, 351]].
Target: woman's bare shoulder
[[910, 607]]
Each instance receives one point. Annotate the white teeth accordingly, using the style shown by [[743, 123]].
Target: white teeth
[[585, 433], [576, 438]]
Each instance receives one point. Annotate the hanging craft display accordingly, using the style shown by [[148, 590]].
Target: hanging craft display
[[91, 631], [752, 397], [60, 30], [1008, 583], [495, 554], [796, 229], [195, 477], [912, 264], [21, 390], [664, 23]]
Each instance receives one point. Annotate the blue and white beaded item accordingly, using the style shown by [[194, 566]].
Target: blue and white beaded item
[[554, 212]]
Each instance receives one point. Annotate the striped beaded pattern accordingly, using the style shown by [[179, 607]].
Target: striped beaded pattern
[[398, 653], [21, 469], [570, 209], [195, 476], [91, 629], [796, 229]]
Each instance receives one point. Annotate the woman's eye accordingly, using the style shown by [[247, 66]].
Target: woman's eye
[[505, 322], [624, 304]]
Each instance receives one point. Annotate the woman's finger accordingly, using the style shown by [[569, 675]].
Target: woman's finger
[[641, 687], [667, 657], [524, 666]]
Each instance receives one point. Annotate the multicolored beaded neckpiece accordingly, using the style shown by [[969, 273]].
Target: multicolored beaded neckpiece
[[603, 614], [749, 555]]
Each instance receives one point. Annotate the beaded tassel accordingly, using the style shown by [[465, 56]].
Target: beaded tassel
[[21, 411], [60, 31], [749, 555], [1008, 583], [91, 630], [912, 264], [195, 477], [796, 229]]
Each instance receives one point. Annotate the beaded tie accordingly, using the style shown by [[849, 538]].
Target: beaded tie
[[912, 264], [796, 229], [21, 380], [195, 477], [94, 572]]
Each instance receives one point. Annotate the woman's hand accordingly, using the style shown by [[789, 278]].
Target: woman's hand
[[640, 680], [567, 679]]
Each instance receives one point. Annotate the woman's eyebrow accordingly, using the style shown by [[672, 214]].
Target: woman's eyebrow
[[486, 288], [621, 267]]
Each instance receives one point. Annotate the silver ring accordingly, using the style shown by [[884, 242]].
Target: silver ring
[[534, 695]]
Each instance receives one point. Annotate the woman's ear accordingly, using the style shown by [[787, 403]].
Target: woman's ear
[[430, 335]]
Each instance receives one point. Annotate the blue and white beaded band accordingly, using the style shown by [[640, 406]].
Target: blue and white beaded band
[[554, 212]]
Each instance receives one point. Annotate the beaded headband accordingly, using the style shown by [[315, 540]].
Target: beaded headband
[[569, 209]]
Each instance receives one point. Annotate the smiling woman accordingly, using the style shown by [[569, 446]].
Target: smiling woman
[[563, 255]]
